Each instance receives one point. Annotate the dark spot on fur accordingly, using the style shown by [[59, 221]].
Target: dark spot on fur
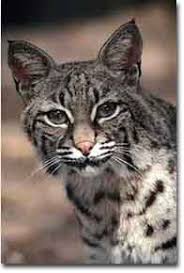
[[160, 186], [130, 197], [171, 166], [154, 144], [98, 197], [114, 196], [129, 215], [130, 248], [149, 230], [151, 199], [109, 171], [44, 145], [135, 136], [96, 95], [166, 224], [114, 221], [166, 245], [159, 189], [89, 242]]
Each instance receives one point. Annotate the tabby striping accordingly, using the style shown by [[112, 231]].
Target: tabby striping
[[112, 144]]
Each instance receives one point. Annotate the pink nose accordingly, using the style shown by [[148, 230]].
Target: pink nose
[[85, 147]]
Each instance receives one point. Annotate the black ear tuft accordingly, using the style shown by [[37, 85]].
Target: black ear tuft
[[123, 49], [132, 21]]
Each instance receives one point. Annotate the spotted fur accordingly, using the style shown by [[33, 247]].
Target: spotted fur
[[112, 144]]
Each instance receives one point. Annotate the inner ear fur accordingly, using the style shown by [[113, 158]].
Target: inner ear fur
[[123, 49], [29, 65]]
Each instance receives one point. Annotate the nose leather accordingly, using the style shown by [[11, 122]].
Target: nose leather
[[85, 147], [84, 137]]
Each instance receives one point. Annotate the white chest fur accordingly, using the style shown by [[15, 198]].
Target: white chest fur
[[148, 221]]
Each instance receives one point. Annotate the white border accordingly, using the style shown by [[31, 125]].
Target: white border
[[180, 107]]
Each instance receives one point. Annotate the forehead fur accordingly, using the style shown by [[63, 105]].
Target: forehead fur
[[83, 83]]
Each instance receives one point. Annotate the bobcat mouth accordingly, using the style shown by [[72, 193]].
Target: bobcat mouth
[[88, 167], [83, 163]]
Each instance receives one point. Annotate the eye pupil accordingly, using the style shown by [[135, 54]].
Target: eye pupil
[[107, 109], [54, 114], [57, 116]]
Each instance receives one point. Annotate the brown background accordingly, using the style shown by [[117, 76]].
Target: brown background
[[38, 225]]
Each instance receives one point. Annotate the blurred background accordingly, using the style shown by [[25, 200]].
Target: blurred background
[[38, 224]]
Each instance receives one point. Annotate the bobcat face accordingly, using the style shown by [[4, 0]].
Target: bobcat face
[[87, 116], [80, 125]]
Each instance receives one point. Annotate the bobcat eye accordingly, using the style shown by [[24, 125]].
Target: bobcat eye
[[107, 110], [56, 117]]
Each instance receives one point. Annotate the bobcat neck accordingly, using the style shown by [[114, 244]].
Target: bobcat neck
[[110, 209]]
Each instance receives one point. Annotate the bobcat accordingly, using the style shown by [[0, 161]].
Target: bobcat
[[112, 144]]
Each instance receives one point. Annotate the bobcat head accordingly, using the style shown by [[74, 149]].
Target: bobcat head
[[88, 116]]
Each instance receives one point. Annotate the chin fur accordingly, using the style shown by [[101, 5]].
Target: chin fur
[[89, 171]]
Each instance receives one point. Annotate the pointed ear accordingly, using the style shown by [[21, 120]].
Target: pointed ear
[[29, 65], [123, 49]]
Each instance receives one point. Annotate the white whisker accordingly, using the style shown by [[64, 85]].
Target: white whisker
[[129, 144], [49, 137], [122, 149], [55, 169], [45, 165], [126, 163], [122, 153], [124, 143]]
